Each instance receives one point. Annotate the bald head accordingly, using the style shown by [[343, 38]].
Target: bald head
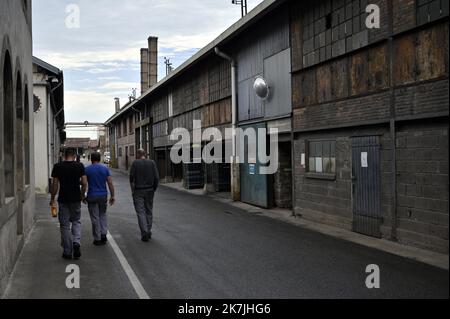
[[141, 154]]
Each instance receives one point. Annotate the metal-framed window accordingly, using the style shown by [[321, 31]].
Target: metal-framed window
[[322, 156]]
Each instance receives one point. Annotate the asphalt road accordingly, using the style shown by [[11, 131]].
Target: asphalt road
[[202, 248]]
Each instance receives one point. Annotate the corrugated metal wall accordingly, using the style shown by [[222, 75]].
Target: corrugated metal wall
[[262, 41]]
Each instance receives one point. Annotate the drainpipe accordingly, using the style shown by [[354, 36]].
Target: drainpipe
[[235, 175]]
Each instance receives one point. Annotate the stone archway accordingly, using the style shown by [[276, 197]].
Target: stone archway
[[8, 127], [19, 152]]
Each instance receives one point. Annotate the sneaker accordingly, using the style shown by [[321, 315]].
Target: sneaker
[[99, 243], [67, 257], [76, 251], [104, 239]]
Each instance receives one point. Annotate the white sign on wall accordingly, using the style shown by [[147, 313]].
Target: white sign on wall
[[364, 162]]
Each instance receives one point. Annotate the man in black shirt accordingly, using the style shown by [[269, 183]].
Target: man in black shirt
[[144, 179], [68, 176]]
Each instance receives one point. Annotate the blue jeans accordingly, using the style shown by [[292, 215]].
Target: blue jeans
[[70, 225], [97, 210]]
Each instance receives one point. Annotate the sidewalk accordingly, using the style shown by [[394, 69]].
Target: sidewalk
[[285, 215], [40, 272]]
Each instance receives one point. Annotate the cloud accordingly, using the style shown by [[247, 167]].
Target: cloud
[[88, 105], [109, 78], [100, 60], [119, 85]]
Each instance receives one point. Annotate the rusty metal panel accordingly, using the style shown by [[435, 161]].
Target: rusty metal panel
[[223, 105], [405, 60], [378, 68], [296, 87], [324, 78], [211, 114], [296, 37], [432, 52], [358, 73], [339, 83], [216, 113], [307, 90], [205, 116], [228, 111]]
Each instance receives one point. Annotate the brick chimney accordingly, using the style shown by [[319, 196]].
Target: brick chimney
[[152, 61], [149, 64], [117, 104], [144, 70]]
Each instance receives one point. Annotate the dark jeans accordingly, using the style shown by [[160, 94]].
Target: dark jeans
[[70, 225], [143, 204], [97, 210]]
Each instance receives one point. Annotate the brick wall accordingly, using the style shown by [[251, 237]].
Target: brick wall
[[422, 188], [283, 178], [330, 201]]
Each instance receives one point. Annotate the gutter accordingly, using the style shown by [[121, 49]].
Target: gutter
[[233, 96], [235, 174]]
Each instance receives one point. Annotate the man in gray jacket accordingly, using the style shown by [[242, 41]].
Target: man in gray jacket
[[144, 180]]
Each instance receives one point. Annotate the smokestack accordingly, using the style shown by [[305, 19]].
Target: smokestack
[[117, 104], [152, 61], [144, 70]]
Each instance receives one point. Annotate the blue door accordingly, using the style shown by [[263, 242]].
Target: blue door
[[254, 186]]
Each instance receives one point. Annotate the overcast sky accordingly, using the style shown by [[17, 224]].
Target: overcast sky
[[100, 59]]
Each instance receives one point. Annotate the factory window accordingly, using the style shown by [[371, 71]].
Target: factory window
[[170, 102], [322, 157], [131, 126], [431, 10], [8, 127]]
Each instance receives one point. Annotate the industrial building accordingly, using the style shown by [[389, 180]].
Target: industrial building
[[370, 118], [361, 110]]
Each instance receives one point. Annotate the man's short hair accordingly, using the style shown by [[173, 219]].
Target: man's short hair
[[141, 153], [95, 157], [69, 152]]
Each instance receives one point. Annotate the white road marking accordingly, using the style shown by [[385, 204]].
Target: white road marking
[[140, 291]]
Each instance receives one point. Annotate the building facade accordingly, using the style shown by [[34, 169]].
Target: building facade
[[370, 118], [16, 125], [49, 134]]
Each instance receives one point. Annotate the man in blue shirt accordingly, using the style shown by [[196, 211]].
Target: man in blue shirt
[[98, 176]]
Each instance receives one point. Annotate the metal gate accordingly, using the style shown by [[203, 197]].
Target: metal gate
[[254, 186], [366, 185]]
